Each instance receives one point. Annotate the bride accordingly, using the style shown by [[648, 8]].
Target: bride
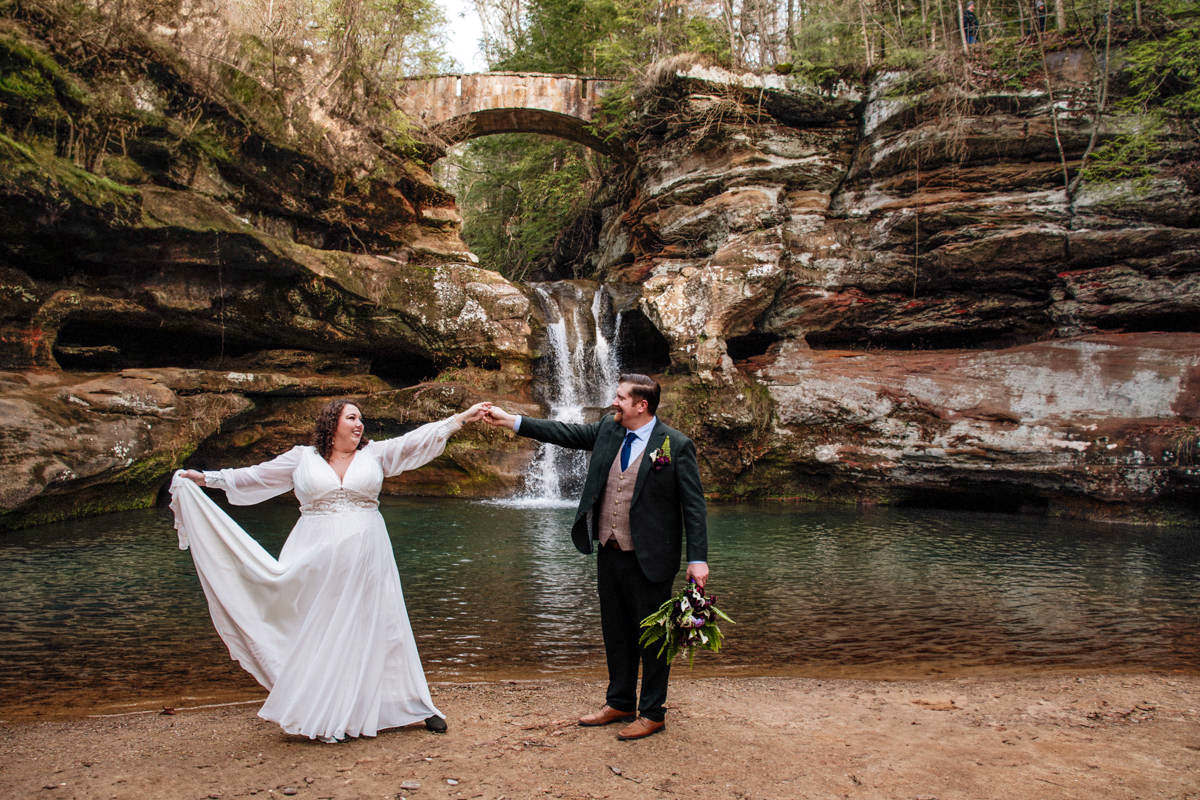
[[324, 627]]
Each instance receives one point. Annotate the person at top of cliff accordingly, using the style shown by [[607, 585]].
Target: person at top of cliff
[[970, 24], [1039, 13], [324, 627]]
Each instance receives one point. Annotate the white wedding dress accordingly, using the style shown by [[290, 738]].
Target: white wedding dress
[[324, 628]]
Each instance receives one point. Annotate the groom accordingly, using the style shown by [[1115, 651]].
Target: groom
[[641, 497]]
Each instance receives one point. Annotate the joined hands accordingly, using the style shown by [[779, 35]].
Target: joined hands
[[499, 417], [474, 413], [491, 414]]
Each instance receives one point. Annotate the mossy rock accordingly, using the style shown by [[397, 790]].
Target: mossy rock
[[34, 83], [103, 499], [134, 487], [31, 172]]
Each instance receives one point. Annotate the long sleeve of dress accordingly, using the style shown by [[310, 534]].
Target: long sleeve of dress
[[415, 448], [249, 485]]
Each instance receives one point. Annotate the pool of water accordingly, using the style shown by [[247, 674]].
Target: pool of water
[[105, 610]]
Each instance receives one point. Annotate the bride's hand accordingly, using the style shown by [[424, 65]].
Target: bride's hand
[[194, 476], [474, 413]]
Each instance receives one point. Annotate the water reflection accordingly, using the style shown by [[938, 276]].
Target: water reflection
[[110, 608]]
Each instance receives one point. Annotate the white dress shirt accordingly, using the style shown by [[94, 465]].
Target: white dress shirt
[[643, 438]]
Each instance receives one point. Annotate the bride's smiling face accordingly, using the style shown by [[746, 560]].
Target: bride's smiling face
[[349, 428]]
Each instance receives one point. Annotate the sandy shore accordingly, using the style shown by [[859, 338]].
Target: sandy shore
[[1044, 736]]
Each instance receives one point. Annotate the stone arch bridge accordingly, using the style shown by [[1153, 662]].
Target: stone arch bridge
[[461, 107]]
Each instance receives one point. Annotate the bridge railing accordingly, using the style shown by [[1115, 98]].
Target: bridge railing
[[409, 78]]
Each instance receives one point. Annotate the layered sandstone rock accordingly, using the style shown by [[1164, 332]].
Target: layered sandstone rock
[[78, 444], [890, 224], [189, 243], [1098, 426], [882, 302], [850, 298], [211, 277]]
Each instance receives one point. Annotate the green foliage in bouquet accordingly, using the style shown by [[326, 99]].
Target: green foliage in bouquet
[[688, 621]]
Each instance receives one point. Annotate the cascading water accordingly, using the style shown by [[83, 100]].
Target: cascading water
[[578, 376]]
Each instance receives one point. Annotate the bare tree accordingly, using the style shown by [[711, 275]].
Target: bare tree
[[791, 25], [729, 16], [503, 23], [962, 28], [862, 12], [1101, 99]]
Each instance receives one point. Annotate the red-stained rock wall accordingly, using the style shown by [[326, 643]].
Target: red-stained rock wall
[[864, 299]]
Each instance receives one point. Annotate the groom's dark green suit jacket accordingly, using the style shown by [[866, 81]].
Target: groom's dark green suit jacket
[[667, 503]]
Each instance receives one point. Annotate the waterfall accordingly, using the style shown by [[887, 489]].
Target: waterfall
[[576, 379]]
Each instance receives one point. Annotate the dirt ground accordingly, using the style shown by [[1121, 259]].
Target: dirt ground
[[1044, 736]]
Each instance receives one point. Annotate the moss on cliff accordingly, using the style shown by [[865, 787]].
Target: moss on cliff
[[32, 83], [1158, 90], [84, 503], [136, 486], [731, 423], [30, 171]]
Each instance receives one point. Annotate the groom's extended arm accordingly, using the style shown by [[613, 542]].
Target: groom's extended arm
[[564, 434], [577, 436]]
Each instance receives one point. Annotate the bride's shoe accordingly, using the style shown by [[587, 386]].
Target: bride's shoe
[[332, 740], [435, 724]]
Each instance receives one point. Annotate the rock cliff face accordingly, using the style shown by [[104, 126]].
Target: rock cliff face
[[881, 297], [1094, 426], [209, 280], [864, 299]]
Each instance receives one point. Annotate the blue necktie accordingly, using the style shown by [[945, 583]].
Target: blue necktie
[[627, 449]]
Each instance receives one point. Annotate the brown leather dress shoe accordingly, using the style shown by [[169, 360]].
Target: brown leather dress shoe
[[605, 716], [640, 728]]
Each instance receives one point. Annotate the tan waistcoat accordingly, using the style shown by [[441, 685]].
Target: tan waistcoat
[[614, 506]]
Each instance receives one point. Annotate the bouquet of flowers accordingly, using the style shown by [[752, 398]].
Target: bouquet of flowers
[[685, 622]]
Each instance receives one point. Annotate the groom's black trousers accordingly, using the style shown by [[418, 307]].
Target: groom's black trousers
[[626, 598]]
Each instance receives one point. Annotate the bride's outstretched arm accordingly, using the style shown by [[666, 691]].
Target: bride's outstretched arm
[[424, 444], [250, 485]]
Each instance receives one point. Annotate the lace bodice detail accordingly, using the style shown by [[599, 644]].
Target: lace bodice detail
[[318, 487]]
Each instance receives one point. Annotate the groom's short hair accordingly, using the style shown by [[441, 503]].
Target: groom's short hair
[[643, 387]]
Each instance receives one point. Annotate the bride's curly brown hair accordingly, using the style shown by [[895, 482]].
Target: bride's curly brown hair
[[326, 426]]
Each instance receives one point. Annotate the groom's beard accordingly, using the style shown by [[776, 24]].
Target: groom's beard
[[616, 415]]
